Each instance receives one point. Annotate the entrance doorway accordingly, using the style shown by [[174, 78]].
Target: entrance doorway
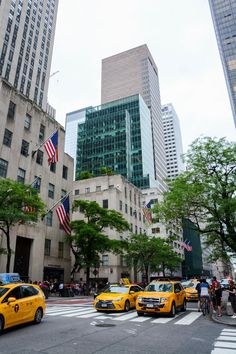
[[22, 257]]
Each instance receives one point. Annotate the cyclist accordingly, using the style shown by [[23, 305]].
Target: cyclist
[[204, 291]]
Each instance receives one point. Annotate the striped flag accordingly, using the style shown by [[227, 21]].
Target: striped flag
[[51, 147], [147, 213], [63, 213]]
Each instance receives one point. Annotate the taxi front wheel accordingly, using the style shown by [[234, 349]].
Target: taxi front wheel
[[38, 316], [1, 324], [127, 306], [173, 310]]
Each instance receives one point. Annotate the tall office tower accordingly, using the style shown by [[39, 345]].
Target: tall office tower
[[118, 135], [135, 72], [224, 18], [26, 43], [173, 141]]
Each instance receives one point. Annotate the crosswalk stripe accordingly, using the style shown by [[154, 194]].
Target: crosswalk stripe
[[222, 351], [81, 312], [233, 339], [225, 345], [126, 317], [102, 317], [58, 313], [228, 330], [228, 334], [140, 319], [167, 319], [88, 315], [57, 309], [188, 319]]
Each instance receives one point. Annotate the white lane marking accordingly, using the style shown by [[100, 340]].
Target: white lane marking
[[125, 317], [81, 312], [188, 319], [191, 309], [228, 334], [57, 309], [101, 317], [225, 345], [223, 351], [167, 319], [140, 319], [86, 315], [232, 339], [115, 314], [228, 330]]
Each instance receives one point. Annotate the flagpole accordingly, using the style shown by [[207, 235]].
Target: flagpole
[[66, 195], [34, 152]]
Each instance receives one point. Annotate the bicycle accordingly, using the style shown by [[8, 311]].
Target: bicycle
[[205, 305]]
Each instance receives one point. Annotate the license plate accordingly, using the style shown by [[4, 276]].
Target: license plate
[[150, 305], [104, 305]]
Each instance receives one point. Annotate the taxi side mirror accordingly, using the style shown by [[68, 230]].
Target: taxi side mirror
[[131, 292], [11, 299], [177, 291]]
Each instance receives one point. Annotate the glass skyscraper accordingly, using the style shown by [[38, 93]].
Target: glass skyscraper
[[224, 19], [118, 135]]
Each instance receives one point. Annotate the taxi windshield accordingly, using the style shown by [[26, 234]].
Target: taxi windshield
[[160, 287], [3, 291], [191, 285], [117, 290]]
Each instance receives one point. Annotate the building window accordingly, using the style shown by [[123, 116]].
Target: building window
[[47, 247], [7, 138], [130, 196], [87, 190], [105, 203], [63, 193], [131, 211], [60, 249], [11, 110], [21, 175], [24, 148], [53, 167], [64, 172], [125, 192], [120, 205], [126, 208], [136, 229], [105, 260], [98, 188], [39, 158], [77, 192], [3, 168], [49, 218], [156, 230], [51, 190], [37, 183], [27, 123], [41, 133]]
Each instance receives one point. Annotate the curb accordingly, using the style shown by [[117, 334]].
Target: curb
[[222, 322]]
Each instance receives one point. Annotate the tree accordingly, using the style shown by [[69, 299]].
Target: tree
[[107, 171], [88, 239], [19, 203], [148, 254], [84, 175], [205, 192]]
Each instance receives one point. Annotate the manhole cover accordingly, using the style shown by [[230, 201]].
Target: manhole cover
[[105, 325]]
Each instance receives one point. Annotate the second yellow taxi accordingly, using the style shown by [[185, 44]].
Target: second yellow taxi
[[190, 290], [117, 298], [161, 296]]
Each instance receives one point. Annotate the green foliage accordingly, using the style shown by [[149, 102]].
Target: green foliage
[[84, 175], [107, 171], [88, 239], [205, 192], [148, 254], [14, 199]]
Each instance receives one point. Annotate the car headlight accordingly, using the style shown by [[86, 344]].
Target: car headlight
[[117, 299], [164, 299], [140, 298]]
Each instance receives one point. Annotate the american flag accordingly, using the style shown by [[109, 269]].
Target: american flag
[[63, 213], [147, 212], [51, 147]]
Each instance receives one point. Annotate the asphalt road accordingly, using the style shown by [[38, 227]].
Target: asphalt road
[[76, 329]]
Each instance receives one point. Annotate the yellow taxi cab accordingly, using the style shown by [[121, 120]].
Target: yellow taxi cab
[[117, 297], [20, 303], [161, 296], [190, 290]]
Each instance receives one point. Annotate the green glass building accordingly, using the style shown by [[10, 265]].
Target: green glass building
[[118, 135]]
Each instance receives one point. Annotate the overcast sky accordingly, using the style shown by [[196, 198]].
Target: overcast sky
[[181, 38]]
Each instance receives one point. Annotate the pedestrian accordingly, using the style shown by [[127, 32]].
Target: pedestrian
[[60, 288], [232, 296], [218, 297], [198, 288]]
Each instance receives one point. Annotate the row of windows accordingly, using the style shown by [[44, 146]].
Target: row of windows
[[47, 248]]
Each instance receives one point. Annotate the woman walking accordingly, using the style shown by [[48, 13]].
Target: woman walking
[[232, 297]]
